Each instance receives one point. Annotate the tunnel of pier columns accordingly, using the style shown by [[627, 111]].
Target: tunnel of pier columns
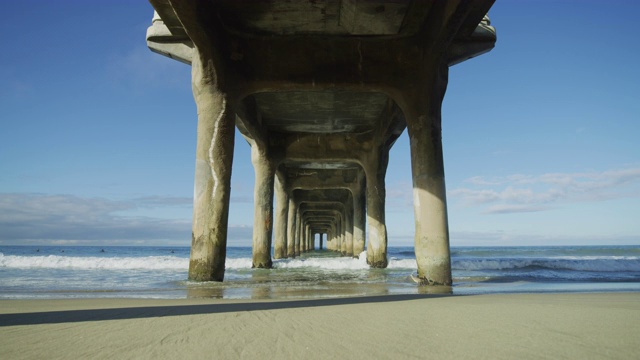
[[320, 91]]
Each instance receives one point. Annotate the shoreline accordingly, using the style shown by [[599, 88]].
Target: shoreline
[[533, 325]]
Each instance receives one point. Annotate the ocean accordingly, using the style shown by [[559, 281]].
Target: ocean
[[52, 272]]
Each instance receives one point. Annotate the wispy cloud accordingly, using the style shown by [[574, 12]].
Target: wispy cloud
[[529, 193], [502, 238], [153, 201], [37, 217], [68, 219]]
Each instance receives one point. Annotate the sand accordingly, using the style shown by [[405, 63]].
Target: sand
[[502, 326]]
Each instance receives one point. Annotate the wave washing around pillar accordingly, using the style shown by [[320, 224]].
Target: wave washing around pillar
[[146, 272]]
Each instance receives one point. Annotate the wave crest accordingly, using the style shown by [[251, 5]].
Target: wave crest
[[599, 264], [94, 263]]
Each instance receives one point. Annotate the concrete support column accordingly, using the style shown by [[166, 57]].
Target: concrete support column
[[298, 238], [282, 215], [291, 227], [429, 195], [343, 233], [320, 240], [212, 188], [375, 170], [349, 227], [263, 207], [334, 237], [343, 228], [358, 221]]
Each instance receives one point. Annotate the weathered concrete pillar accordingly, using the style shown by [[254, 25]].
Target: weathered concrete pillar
[[263, 207], [337, 237], [375, 170], [282, 214], [358, 221], [328, 244], [214, 157], [343, 233], [349, 227], [334, 237], [298, 237], [427, 166], [320, 241], [291, 227], [358, 216]]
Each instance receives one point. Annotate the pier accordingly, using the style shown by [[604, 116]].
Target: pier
[[320, 90]]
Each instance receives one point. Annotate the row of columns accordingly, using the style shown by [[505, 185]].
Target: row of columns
[[212, 190], [218, 105], [296, 220]]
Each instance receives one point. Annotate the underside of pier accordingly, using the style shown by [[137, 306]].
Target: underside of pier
[[321, 90]]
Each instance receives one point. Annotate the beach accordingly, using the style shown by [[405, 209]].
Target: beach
[[507, 326]]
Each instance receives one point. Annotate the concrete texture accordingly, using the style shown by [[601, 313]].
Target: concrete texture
[[321, 91]]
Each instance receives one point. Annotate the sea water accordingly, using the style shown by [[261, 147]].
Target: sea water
[[29, 272]]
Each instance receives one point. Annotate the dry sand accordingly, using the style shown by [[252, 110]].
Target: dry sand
[[511, 326]]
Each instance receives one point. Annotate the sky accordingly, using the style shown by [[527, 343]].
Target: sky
[[541, 135]]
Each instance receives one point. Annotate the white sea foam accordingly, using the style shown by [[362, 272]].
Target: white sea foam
[[340, 263], [90, 262], [238, 263], [180, 263], [402, 264], [322, 263]]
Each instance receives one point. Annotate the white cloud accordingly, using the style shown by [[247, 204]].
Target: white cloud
[[527, 193], [153, 201], [73, 220], [37, 217], [504, 238]]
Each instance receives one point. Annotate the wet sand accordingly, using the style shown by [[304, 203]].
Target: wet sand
[[506, 326]]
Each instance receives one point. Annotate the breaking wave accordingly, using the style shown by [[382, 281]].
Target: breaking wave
[[91, 262], [595, 264]]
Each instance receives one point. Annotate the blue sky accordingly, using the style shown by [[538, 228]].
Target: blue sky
[[97, 136]]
